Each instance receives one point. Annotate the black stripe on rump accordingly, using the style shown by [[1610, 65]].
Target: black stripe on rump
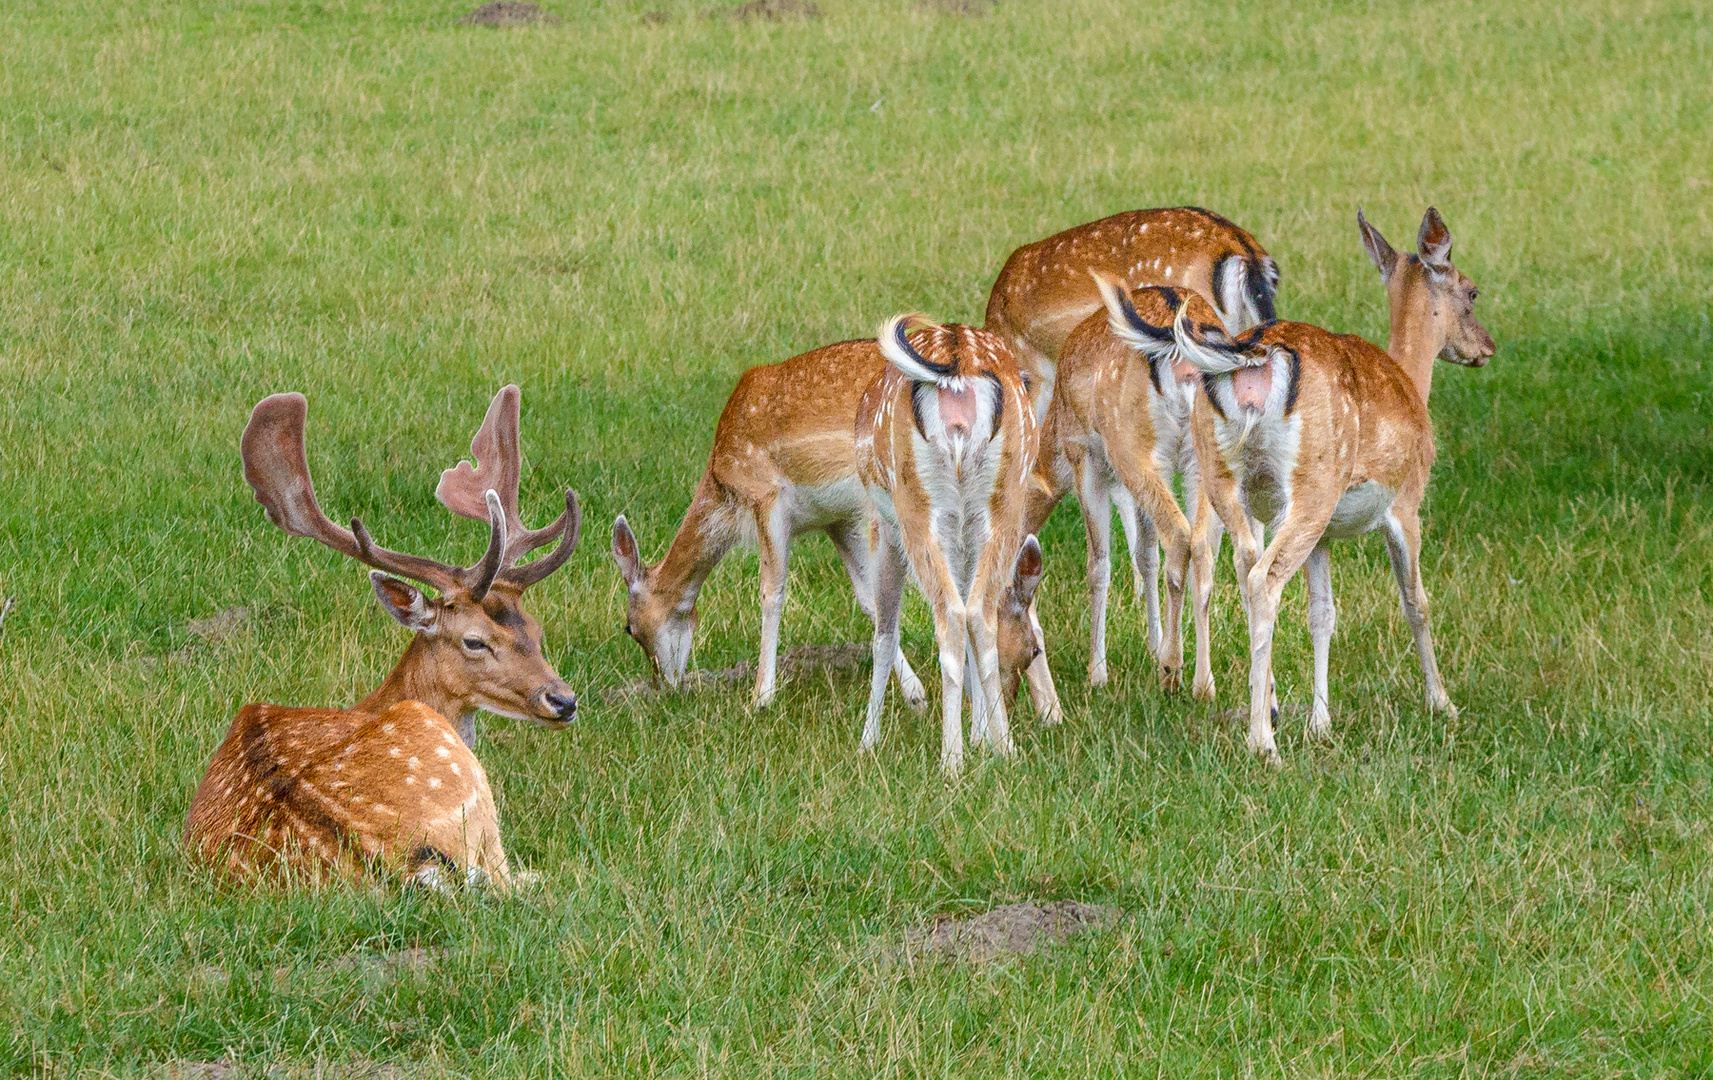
[[1296, 381], [1260, 291], [1208, 381]]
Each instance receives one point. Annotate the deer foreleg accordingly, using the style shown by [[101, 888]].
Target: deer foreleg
[[773, 536], [1323, 616], [1095, 497], [888, 593]]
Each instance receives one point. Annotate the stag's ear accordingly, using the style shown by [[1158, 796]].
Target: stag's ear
[[1029, 572], [1380, 253], [405, 602], [1433, 243], [625, 551]]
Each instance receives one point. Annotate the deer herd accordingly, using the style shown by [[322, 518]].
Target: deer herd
[[1137, 359]]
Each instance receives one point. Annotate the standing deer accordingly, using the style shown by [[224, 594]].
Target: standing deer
[[945, 443], [783, 464], [1325, 437], [389, 785], [1119, 424], [1046, 290]]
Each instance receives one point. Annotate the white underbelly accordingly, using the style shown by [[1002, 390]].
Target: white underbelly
[[824, 505], [1360, 510]]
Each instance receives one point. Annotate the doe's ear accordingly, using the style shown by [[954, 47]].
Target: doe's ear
[[404, 602], [1433, 243], [625, 551], [1380, 253], [1029, 571]]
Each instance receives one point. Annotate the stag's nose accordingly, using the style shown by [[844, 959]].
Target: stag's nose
[[564, 705]]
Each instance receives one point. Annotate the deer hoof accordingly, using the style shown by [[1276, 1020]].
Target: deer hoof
[[1203, 689], [1097, 674]]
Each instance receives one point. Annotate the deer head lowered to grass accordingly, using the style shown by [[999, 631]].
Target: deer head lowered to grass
[[391, 783]]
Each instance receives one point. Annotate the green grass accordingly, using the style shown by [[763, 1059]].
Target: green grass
[[212, 201]]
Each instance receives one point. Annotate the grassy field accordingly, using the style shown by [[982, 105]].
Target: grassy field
[[205, 202]]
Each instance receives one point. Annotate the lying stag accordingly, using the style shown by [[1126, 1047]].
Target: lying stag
[[389, 785]]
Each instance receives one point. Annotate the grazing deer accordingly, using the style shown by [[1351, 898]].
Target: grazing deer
[[783, 464], [945, 443], [389, 784], [1119, 426], [1045, 291], [1324, 437]]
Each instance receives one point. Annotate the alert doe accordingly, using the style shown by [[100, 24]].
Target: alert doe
[[945, 441], [1324, 437], [1119, 426], [389, 784]]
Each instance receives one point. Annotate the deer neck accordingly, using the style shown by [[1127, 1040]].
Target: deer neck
[[702, 540], [1414, 344], [414, 679]]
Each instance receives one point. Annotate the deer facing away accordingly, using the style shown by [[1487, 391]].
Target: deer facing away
[[1119, 427], [946, 440], [1323, 437], [390, 785]]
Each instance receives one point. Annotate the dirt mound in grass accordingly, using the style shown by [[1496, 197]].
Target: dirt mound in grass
[[509, 13], [1012, 930], [769, 10]]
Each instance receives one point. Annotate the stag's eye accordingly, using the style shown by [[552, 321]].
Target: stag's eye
[[474, 644]]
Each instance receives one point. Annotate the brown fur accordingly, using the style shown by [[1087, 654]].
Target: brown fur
[[337, 793], [1044, 291]]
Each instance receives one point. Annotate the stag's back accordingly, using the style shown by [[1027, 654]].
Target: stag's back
[[321, 792]]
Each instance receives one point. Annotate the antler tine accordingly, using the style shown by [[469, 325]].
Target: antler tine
[[569, 528], [480, 578], [277, 468]]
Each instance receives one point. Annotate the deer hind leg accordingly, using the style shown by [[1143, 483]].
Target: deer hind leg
[[773, 537], [888, 593], [1206, 532], [863, 567], [1404, 545], [1290, 548], [1142, 540], [1094, 495], [983, 621], [1323, 616]]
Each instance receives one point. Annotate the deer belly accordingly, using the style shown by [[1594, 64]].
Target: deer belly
[[1251, 386], [1360, 510]]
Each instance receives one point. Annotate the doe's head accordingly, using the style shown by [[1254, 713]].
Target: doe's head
[[1426, 289], [664, 626], [1019, 638], [475, 644]]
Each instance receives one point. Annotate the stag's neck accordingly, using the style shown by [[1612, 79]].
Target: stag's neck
[[708, 531], [1413, 343], [413, 679]]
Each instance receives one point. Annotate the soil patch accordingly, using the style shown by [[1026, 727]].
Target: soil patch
[[847, 658], [956, 7], [768, 10], [510, 13], [1012, 930], [221, 625]]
